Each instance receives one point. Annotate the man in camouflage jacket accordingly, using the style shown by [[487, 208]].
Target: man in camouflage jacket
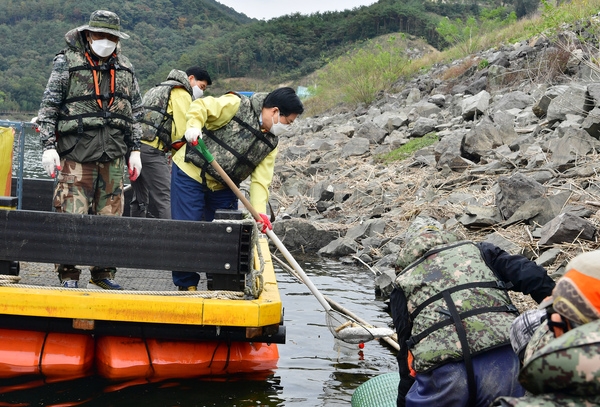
[[452, 314], [561, 365], [163, 127], [88, 122]]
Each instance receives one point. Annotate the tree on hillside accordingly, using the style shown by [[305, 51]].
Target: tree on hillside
[[165, 35], [526, 7], [467, 34]]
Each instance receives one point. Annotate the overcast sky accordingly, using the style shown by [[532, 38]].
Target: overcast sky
[[267, 9]]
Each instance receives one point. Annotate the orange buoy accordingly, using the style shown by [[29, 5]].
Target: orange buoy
[[55, 356], [58, 357], [122, 358], [67, 357], [20, 352]]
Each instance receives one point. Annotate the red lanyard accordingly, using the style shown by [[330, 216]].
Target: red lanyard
[[97, 83]]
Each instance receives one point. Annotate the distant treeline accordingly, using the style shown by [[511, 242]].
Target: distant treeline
[[167, 34]]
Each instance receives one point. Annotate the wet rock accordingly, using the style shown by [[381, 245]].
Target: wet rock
[[299, 235], [514, 164], [340, 247]]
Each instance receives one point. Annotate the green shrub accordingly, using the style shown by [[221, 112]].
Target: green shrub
[[359, 75], [332, 90], [553, 17], [467, 35], [408, 149]]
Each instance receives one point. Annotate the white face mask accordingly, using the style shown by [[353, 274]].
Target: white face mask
[[197, 92], [103, 47], [277, 129]]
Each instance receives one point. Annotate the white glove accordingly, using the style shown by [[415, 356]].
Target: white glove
[[192, 134], [51, 161], [135, 165]]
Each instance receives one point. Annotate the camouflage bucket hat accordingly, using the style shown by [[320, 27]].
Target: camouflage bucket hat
[[576, 295], [104, 22]]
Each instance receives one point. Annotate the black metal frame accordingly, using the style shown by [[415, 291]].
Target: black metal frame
[[156, 244]]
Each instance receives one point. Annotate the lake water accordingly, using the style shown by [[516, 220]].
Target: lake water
[[314, 369]]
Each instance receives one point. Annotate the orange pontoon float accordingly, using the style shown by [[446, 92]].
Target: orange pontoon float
[[55, 333]]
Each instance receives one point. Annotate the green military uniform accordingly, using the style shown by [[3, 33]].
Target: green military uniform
[[158, 121], [163, 124], [452, 314], [565, 372], [483, 303]]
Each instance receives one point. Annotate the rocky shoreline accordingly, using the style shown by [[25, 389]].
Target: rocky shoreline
[[514, 164]]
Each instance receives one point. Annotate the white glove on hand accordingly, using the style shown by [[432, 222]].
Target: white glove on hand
[[51, 162], [135, 165], [192, 134], [264, 223]]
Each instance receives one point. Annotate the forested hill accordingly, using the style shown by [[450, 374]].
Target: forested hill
[[168, 34], [162, 31]]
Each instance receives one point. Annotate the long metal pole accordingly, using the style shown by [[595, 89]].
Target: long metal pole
[[271, 235]]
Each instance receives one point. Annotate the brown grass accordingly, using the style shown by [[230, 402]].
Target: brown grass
[[456, 71]]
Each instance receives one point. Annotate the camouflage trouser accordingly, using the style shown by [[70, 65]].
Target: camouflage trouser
[[89, 188], [548, 400], [95, 188]]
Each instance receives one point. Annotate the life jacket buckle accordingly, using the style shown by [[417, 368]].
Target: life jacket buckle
[[444, 311], [512, 308], [504, 285]]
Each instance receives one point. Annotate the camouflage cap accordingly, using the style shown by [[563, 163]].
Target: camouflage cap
[[576, 295], [105, 22], [420, 244], [421, 224]]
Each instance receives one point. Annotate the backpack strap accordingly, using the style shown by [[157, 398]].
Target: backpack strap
[[464, 343], [501, 285]]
